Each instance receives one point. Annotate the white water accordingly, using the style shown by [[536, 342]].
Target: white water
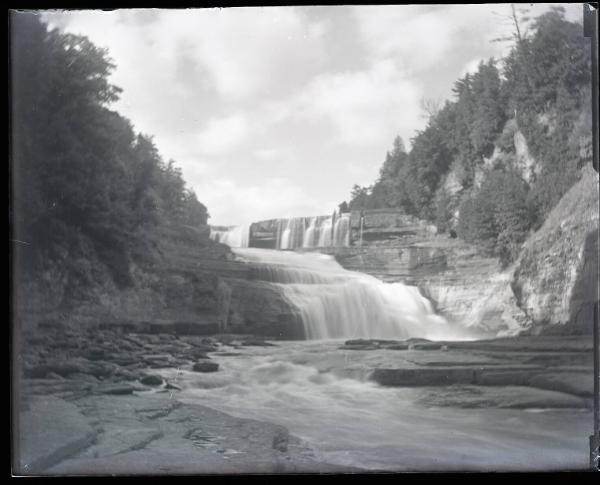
[[337, 303], [353, 422], [236, 237], [295, 232], [307, 386], [311, 232]]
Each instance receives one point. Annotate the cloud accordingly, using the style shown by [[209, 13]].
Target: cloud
[[280, 111], [249, 51], [231, 203], [223, 134], [364, 107]]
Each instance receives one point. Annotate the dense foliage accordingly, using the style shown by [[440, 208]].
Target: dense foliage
[[83, 181], [465, 163]]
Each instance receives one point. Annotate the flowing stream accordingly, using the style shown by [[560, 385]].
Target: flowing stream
[[355, 422], [351, 421]]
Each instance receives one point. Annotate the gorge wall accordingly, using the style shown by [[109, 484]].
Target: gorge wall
[[193, 286], [556, 277], [196, 285], [465, 286], [552, 286]]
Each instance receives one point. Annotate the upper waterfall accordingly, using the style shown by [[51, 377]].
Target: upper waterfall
[[292, 233]]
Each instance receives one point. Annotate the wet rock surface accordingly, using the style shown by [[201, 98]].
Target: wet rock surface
[[89, 406], [559, 364], [112, 398], [205, 367]]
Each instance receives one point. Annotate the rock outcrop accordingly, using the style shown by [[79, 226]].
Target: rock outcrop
[[465, 287], [556, 276], [551, 287], [193, 285]]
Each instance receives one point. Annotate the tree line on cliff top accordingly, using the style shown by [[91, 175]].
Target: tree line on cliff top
[[86, 186], [542, 89]]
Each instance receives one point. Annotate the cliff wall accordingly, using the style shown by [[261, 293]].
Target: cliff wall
[[194, 285], [550, 288], [556, 277]]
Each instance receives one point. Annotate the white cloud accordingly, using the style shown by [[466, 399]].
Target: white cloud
[[231, 203], [223, 135], [365, 107], [270, 154], [279, 111], [415, 35], [248, 51]]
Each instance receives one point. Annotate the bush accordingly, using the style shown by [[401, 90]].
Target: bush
[[498, 217]]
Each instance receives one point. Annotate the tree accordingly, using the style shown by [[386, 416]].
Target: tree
[[359, 197], [497, 217], [86, 188]]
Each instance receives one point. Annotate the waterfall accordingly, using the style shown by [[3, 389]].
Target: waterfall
[[325, 238], [337, 303], [310, 232], [341, 231], [293, 234], [309, 235], [234, 237]]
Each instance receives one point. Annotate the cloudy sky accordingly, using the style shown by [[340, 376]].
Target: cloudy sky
[[278, 112]]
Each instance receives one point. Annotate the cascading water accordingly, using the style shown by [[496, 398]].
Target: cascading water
[[325, 236], [235, 237], [341, 231], [311, 232], [309, 235], [293, 233], [336, 303]]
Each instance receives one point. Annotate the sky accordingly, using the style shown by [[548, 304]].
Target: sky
[[278, 111]]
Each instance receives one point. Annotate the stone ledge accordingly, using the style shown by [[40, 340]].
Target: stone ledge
[[51, 430]]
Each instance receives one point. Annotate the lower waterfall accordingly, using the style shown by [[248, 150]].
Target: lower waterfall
[[336, 303]]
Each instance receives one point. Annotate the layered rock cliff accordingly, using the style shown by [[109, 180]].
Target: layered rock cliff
[[556, 277], [192, 285], [465, 287], [551, 287]]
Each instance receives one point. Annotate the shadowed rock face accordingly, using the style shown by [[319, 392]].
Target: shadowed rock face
[[195, 287], [556, 276]]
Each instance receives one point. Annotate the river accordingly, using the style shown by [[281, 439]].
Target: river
[[352, 421]]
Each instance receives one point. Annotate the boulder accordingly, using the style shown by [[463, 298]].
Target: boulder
[[117, 389], [425, 346], [152, 380], [205, 367], [257, 343]]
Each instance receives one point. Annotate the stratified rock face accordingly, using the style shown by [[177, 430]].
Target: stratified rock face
[[260, 308], [195, 286], [475, 293], [468, 289], [556, 276], [526, 164], [385, 224]]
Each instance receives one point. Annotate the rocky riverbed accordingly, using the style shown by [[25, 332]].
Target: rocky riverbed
[[93, 402], [107, 401]]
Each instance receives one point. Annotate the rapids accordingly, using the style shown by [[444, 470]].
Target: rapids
[[355, 422]]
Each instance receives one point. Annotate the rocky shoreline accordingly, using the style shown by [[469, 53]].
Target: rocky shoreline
[[89, 403], [95, 402]]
